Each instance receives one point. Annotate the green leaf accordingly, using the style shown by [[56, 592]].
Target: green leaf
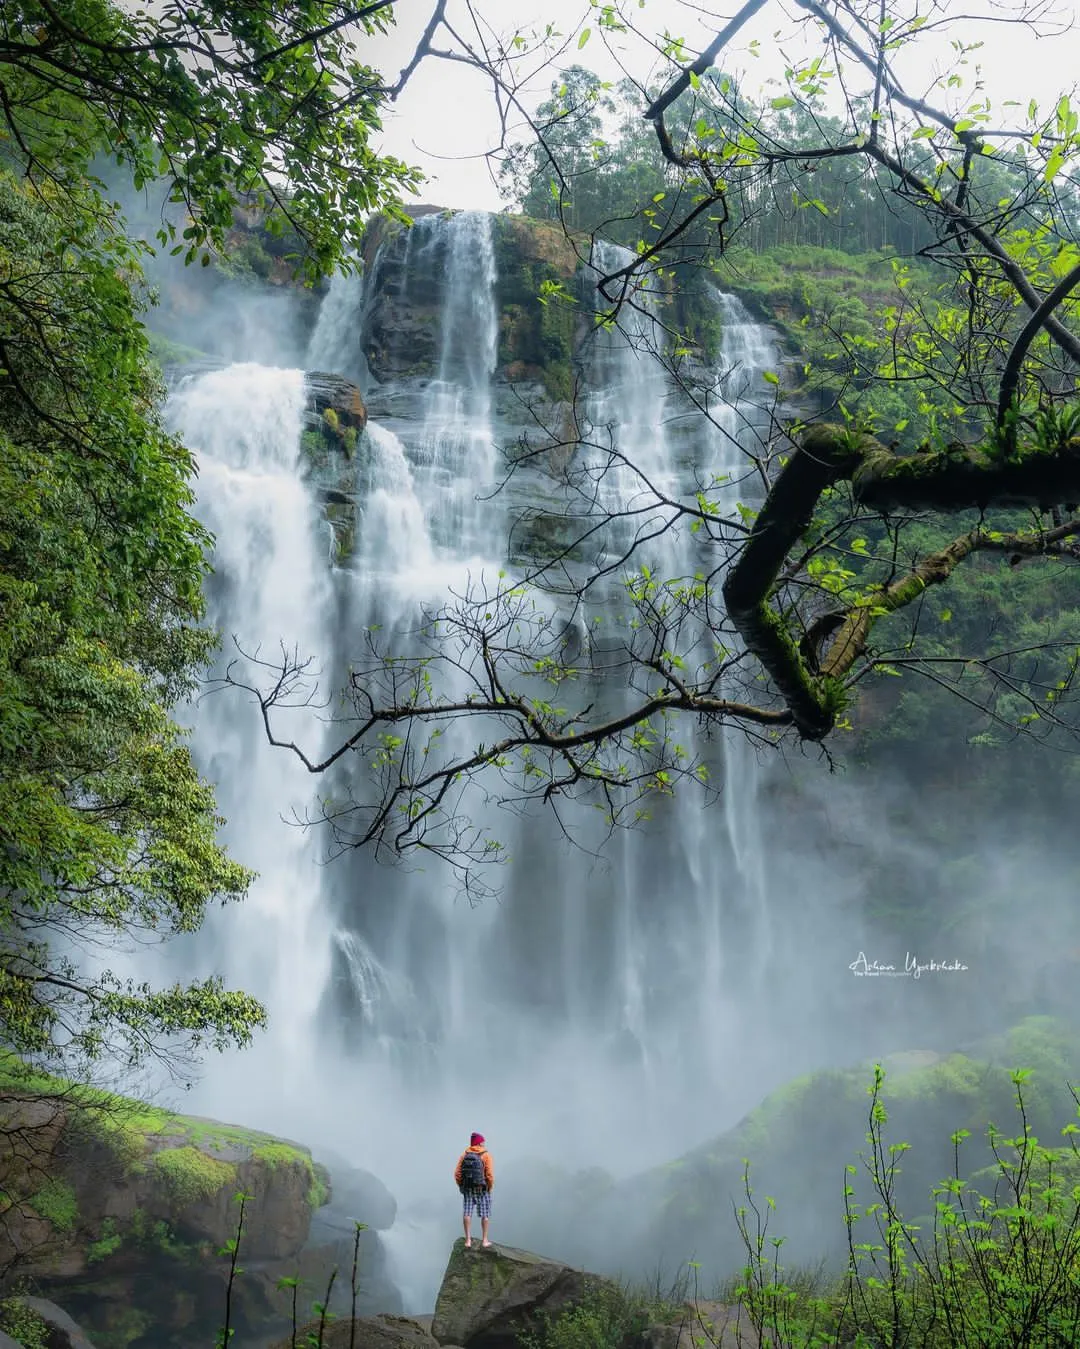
[[585, 34]]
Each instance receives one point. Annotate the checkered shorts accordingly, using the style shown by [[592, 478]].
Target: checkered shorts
[[478, 1199]]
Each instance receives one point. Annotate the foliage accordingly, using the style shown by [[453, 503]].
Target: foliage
[[607, 1317], [994, 1269], [56, 1202], [107, 1243], [105, 824], [271, 105], [23, 1324]]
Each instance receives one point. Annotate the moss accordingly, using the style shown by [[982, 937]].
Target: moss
[[274, 1155], [279, 1154], [56, 1203], [190, 1176], [23, 1324], [319, 1192], [107, 1243], [314, 448]]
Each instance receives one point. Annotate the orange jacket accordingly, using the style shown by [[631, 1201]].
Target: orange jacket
[[489, 1165]]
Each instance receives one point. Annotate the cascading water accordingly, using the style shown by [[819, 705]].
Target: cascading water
[[619, 998], [335, 341], [271, 583]]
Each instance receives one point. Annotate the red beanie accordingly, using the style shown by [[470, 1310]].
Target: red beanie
[[476, 1138]]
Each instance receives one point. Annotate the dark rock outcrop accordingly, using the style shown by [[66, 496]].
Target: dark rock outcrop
[[340, 398], [61, 1330], [489, 1298], [369, 1332]]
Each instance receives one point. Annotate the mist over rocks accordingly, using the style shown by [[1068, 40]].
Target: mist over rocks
[[801, 1137], [635, 995]]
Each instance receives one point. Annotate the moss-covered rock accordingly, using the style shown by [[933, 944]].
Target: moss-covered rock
[[494, 1298], [538, 302], [111, 1202], [802, 1137]]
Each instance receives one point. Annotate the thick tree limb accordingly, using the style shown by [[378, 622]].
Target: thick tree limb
[[949, 480], [1010, 376]]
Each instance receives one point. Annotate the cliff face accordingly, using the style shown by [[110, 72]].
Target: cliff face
[[406, 289]]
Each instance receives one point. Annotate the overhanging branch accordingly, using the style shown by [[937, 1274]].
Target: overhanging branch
[[949, 480]]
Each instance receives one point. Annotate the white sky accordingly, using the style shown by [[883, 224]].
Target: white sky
[[446, 119]]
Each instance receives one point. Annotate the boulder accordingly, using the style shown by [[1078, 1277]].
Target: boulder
[[120, 1211], [369, 1332], [61, 1330], [359, 1196], [718, 1325], [336, 395], [490, 1298]]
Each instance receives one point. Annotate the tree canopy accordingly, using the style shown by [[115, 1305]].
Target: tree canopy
[[107, 831]]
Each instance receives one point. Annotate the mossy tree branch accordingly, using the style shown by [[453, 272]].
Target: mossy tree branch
[[949, 480]]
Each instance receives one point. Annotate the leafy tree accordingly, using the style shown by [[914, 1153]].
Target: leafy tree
[[105, 827], [106, 830], [222, 100]]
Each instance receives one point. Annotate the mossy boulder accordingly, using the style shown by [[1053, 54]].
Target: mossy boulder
[[110, 1204], [494, 1298], [801, 1138]]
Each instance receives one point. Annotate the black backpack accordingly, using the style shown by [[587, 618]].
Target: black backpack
[[473, 1175]]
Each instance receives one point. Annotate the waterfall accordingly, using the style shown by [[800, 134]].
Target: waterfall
[[616, 994], [270, 584], [335, 341]]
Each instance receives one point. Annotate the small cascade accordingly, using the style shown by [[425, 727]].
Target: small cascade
[[628, 452], [457, 450], [270, 584], [335, 340]]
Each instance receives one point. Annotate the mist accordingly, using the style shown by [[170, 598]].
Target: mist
[[619, 1002]]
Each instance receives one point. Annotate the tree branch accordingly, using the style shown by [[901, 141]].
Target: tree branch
[[954, 479]]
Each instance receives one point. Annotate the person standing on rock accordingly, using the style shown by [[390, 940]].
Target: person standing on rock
[[474, 1176]]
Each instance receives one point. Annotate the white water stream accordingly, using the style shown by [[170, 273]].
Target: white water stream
[[620, 1000]]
